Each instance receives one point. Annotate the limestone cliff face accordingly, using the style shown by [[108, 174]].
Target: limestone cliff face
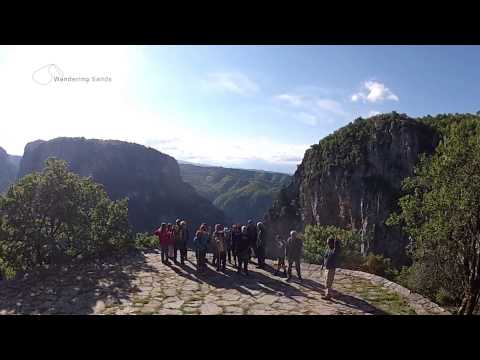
[[352, 179], [150, 179], [8, 169]]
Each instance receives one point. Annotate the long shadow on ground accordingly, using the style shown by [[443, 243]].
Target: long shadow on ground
[[230, 279]]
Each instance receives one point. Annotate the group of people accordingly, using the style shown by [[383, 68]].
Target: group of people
[[173, 240], [238, 245]]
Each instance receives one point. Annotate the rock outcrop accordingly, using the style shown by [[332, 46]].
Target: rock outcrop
[[8, 169], [352, 179], [150, 179]]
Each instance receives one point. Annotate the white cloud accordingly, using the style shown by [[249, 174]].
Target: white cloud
[[232, 82], [295, 100], [332, 106], [312, 109], [374, 91]]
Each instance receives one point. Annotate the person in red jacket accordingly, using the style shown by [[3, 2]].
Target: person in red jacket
[[170, 241], [164, 239]]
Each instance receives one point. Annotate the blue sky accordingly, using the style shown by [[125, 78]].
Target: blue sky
[[236, 106]]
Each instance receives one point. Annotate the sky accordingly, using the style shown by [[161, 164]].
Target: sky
[[254, 107]]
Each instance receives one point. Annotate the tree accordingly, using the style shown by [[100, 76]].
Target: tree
[[315, 245], [441, 214], [51, 217]]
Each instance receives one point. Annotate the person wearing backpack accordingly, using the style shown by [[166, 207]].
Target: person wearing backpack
[[242, 248], [261, 244], [294, 253], [236, 237], [200, 243]]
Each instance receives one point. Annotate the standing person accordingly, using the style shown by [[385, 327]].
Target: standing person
[[243, 250], [176, 239], [228, 242], [171, 241], [200, 243], [252, 236], [161, 232], [330, 263], [294, 253], [261, 244], [183, 241], [219, 239], [279, 252], [213, 245], [236, 235]]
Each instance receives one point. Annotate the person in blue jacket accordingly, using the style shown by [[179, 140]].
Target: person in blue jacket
[[330, 263]]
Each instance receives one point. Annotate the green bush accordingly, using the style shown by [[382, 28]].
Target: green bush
[[56, 216], [145, 241], [378, 265], [444, 298], [315, 245]]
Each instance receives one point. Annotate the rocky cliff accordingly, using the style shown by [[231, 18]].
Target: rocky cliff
[[150, 179], [352, 179], [8, 169]]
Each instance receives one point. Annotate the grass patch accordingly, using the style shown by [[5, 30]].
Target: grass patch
[[381, 298]]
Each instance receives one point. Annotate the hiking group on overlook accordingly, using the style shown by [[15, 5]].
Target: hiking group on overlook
[[238, 245]]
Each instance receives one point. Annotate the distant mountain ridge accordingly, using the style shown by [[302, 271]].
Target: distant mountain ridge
[[150, 179], [241, 194]]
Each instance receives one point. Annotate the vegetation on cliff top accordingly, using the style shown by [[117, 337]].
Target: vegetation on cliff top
[[440, 211]]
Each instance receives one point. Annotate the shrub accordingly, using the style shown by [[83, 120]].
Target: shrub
[[145, 241], [315, 245], [55, 216], [378, 265]]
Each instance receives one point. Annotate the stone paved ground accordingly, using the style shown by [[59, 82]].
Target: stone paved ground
[[141, 284]]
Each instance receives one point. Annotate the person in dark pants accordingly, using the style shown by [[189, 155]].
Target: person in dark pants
[[261, 244], [294, 254], [252, 237], [228, 242], [236, 235], [243, 251], [200, 242], [176, 240], [182, 242], [330, 264]]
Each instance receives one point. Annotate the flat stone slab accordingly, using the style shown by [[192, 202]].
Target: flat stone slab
[[141, 284]]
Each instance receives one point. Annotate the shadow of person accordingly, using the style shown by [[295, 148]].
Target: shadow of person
[[248, 285], [355, 303]]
